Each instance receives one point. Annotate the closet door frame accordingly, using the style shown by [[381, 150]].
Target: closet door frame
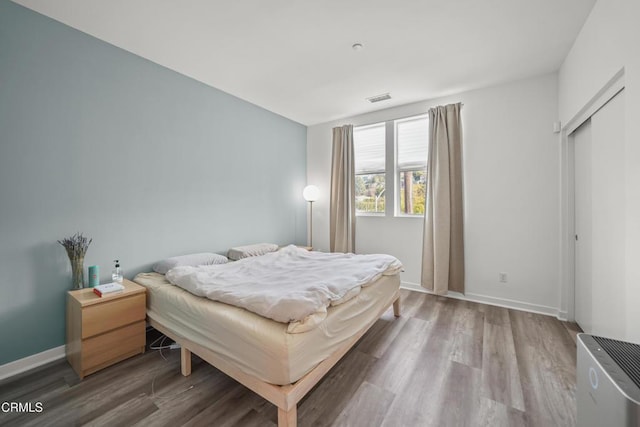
[[567, 182], [582, 147]]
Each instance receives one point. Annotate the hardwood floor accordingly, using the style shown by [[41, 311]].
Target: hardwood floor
[[445, 362]]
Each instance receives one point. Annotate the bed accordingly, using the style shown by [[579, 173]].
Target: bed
[[260, 353]]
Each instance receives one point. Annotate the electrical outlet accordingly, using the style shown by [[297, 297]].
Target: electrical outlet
[[503, 277]]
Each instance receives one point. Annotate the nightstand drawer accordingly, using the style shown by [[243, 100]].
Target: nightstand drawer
[[107, 316], [111, 346]]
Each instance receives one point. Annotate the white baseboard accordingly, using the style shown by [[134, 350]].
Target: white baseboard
[[485, 299], [21, 365]]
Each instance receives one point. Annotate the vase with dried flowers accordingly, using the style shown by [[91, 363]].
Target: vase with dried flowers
[[76, 247]]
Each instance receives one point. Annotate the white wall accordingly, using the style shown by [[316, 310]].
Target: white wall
[[511, 164], [607, 43]]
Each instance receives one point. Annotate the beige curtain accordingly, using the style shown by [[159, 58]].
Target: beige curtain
[[342, 220], [442, 246]]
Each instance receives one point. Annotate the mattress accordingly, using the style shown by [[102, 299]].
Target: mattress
[[256, 345]]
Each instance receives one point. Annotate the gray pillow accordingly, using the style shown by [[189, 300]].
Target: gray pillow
[[189, 260], [257, 249]]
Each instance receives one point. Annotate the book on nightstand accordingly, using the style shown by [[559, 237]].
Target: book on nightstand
[[108, 289]]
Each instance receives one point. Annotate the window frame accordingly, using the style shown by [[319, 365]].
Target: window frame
[[397, 170], [391, 169], [382, 171]]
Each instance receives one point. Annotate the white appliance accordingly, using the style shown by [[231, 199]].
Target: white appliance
[[608, 382]]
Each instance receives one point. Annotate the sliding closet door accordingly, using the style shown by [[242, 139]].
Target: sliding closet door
[[600, 221], [608, 218], [583, 288]]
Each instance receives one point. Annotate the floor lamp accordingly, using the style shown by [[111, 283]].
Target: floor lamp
[[310, 194]]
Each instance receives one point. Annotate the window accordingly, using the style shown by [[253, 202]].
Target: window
[[406, 142], [369, 149], [412, 136]]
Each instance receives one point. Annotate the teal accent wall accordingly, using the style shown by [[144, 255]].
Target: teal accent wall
[[147, 162]]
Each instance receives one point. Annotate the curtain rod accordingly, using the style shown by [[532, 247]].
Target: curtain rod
[[398, 118]]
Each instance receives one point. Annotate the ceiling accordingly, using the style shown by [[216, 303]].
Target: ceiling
[[294, 57]]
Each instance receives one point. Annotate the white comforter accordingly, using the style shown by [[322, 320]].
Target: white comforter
[[291, 285]]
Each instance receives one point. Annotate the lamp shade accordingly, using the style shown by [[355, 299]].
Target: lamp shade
[[310, 193]]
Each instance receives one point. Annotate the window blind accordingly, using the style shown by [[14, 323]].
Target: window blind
[[412, 138], [369, 147]]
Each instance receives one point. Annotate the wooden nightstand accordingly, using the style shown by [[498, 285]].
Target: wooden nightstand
[[104, 331]]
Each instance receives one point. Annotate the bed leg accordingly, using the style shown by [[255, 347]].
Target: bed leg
[[396, 307], [185, 360], [287, 418]]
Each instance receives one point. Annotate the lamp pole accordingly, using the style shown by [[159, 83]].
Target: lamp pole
[[311, 223], [310, 194]]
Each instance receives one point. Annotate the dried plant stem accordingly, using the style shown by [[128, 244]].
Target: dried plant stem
[[76, 247]]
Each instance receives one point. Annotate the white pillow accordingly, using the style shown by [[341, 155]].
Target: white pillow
[[258, 249], [189, 260]]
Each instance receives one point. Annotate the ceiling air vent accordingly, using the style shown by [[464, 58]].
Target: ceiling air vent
[[379, 98]]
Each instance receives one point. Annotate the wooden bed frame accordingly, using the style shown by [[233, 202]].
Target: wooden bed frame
[[285, 397]]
